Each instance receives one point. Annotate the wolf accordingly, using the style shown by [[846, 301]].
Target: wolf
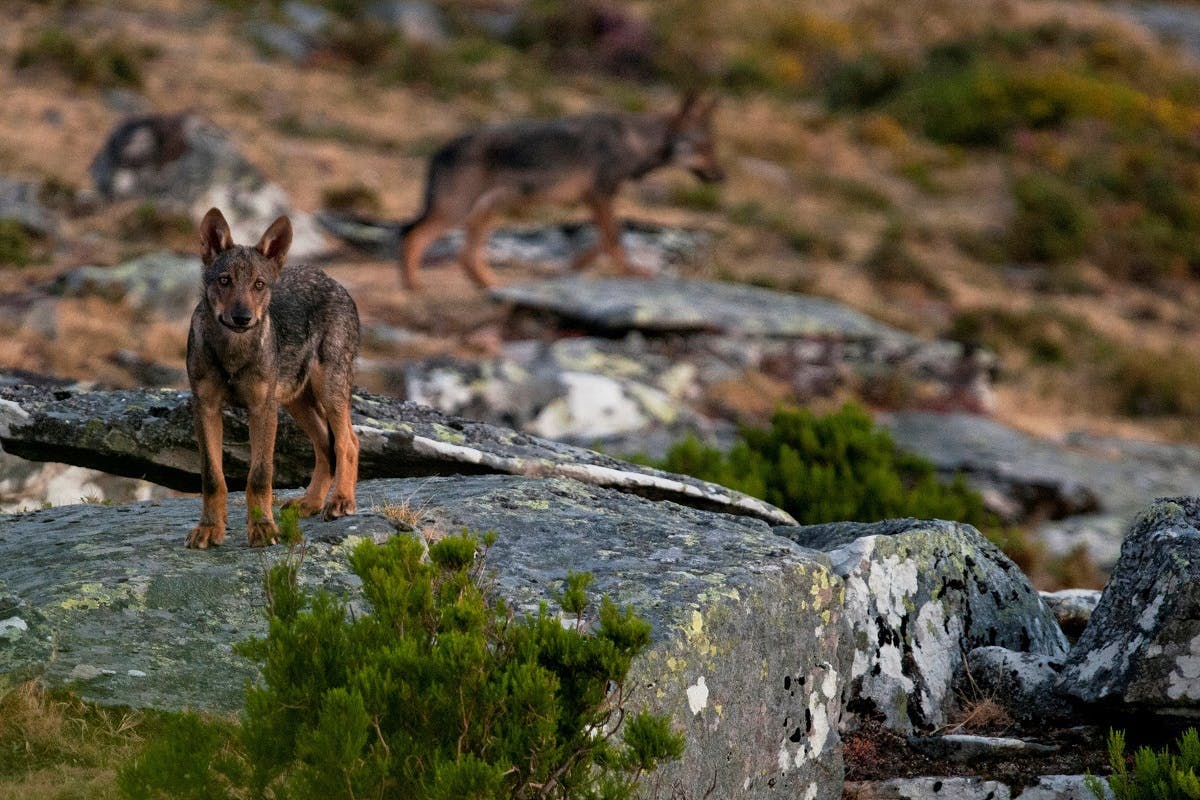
[[580, 159], [261, 336]]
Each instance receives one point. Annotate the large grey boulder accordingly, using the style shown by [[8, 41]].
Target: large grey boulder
[[748, 630], [919, 596], [146, 433], [1082, 491], [1141, 649], [1048, 787], [186, 163], [621, 395], [678, 306], [168, 283]]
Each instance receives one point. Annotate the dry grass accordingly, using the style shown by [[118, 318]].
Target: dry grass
[[983, 716], [54, 746]]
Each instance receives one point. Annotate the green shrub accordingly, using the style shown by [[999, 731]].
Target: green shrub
[[16, 249], [106, 64], [436, 693], [1157, 775], [830, 468], [1053, 221]]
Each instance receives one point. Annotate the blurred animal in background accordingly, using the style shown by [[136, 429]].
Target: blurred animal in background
[[579, 159], [262, 335]]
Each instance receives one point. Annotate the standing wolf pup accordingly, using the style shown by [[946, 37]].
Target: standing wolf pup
[[263, 335], [569, 160]]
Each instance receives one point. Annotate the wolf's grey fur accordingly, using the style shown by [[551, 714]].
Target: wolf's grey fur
[[261, 336], [573, 159]]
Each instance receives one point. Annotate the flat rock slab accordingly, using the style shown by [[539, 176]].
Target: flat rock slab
[[165, 282], [968, 748], [748, 627], [1140, 651], [145, 433], [689, 306], [1080, 474], [920, 594], [652, 247]]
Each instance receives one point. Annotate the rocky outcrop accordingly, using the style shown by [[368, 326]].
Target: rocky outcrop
[[1141, 649], [919, 595], [749, 633], [1072, 608], [1048, 787], [623, 396], [186, 163], [1081, 492], [164, 282], [653, 248], [148, 434], [1025, 684]]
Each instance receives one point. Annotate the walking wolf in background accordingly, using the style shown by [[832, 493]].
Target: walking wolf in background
[[573, 159], [263, 335]]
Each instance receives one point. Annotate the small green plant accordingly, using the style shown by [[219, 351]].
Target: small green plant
[[16, 248], [438, 692], [830, 468], [697, 196], [1156, 775], [1053, 221], [106, 64]]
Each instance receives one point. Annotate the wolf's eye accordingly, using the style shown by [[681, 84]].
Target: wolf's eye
[[224, 280], [259, 284]]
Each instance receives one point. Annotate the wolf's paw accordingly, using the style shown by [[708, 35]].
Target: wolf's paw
[[303, 507], [262, 532], [203, 536], [340, 506]]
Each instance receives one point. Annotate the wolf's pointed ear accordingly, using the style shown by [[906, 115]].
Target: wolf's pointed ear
[[214, 235], [275, 242]]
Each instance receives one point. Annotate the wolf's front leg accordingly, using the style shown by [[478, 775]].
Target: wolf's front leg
[[207, 415], [260, 523]]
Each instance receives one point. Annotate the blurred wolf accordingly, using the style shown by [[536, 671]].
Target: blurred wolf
[[263, 335], [568, 160]]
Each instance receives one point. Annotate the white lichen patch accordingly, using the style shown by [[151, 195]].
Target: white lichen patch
[[1099, 660], [697, 696], [1184, 681], [1147, 620], [937, 653]]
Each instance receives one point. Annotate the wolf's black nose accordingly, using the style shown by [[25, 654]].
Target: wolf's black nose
[[241, 318]]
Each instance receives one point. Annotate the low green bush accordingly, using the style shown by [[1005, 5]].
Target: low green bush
[[1156, 775], [110, 63], [16, 248], [831, 468], [437, 692], [1053, 221]]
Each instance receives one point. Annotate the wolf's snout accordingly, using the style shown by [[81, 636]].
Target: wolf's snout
[[241, 317]]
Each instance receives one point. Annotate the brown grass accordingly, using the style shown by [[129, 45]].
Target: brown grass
[[55, 746]]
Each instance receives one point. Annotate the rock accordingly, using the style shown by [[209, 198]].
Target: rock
[[1061, 787], [27, 485], [966, 748], [1048, 787], [1072, 608], [273, 38], [919, 595], [186, 163], [653, 248], [148, 434], [748, 627], [1036, 476], [620, 396], [164, 282], [1089, 488], [21, 201], [418, 22], [619, 305], [927, 789], [1023, 683], [1141, 649]]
